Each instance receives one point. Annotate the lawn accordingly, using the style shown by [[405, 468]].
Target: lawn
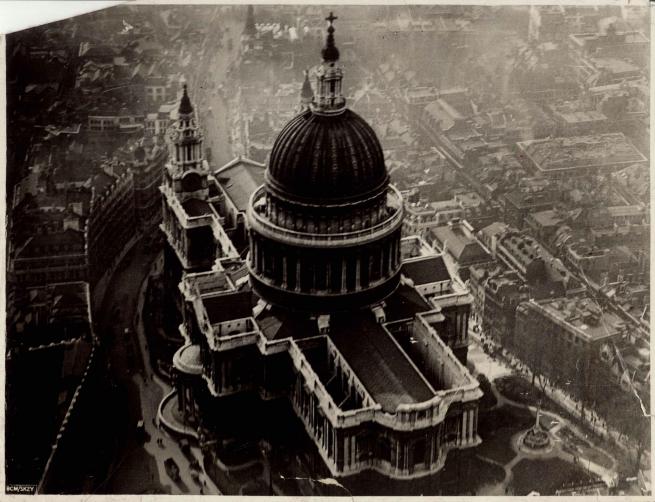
[[488, 400], [463, 474], [553, 474], [496, 427], [586, 449]]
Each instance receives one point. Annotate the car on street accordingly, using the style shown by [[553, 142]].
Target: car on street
[[172, 469]]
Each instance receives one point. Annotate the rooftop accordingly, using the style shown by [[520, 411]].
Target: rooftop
[[277, 324], [520, 198], [548, 218], [460, 243], [239, 179], [581, 151], [381, 365], [426, 270], [585, 316], [196, 207], [45, 244], [228, 306], [405, 303], [579, 117]]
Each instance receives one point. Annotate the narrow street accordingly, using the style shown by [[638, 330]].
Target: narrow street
[[138, 465], [137, 457], [212, 104]]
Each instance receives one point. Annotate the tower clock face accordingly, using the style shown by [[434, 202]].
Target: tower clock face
[[173, 134]]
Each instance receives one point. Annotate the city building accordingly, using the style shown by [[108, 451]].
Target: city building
[[147, 170], [569, 339], [491, 234], [497, 292], [49, 329], [458, 239], [544, 274], [422, 217], [112, 221], [560, 158], [59, 256], [601, 265], [520, 202], [327, 317]]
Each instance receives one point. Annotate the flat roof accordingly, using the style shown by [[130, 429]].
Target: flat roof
[[564, 154], [380, 364], [196, 207], [228, 306], [583, 314], [426, 270], [405, 303], [278, 323]]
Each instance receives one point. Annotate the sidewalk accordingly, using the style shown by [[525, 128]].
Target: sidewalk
[[152, 390]]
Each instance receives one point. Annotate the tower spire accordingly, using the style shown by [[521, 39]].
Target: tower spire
[[185, 140], [250, 22], [307, 94], [186, 108]]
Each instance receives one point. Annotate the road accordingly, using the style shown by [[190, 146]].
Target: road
[[118, 309], [160, 445], [213, 107], [138, 467]]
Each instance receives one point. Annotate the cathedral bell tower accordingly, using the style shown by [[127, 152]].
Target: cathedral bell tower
[[186, 218], [306, 94], [186, 171]]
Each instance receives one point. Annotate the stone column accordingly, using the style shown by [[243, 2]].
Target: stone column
[[475, 421], [346, 452], [358, 272], [284, 271], [370, 267], [328, 275], [297, 288], [471, 413], [344, 269]]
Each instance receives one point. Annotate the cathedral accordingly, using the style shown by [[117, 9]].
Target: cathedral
[[292, 282]]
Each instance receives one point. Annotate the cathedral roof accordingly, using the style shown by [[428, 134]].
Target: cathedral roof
[[327, 157]]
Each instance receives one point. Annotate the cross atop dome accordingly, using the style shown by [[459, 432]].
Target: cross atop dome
[[330, 52]]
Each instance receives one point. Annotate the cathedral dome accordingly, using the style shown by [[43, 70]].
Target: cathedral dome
[[327, 157]]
